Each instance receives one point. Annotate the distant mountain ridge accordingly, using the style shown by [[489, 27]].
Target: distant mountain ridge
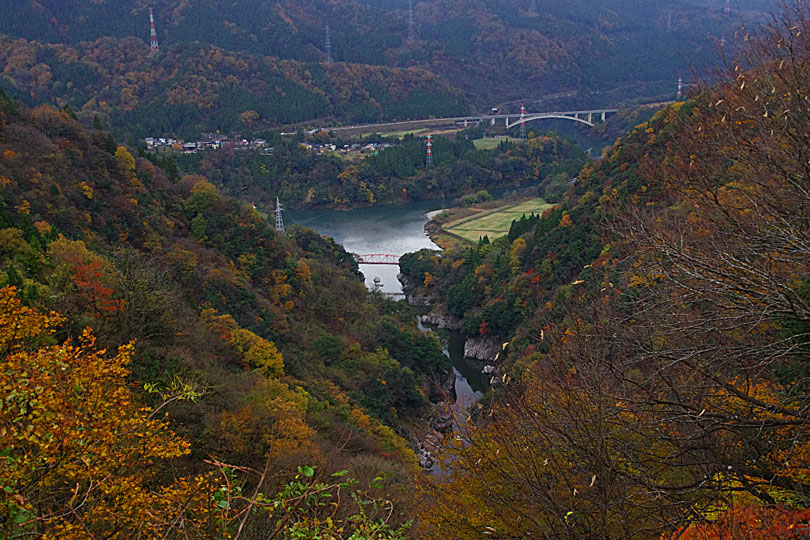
[[495, 51], [186, 89]]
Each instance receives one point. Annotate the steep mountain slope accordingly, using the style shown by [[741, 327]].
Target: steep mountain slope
[[495, 51], [292, 360], [190, 89], [652, 381]]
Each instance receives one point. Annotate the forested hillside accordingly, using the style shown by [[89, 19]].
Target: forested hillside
[[171, 366], [264, 351], [603, 52], [188, 89], [653, 381], [393, 175]]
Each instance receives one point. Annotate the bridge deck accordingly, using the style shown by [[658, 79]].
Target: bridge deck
[[477, 118], [377, 258]]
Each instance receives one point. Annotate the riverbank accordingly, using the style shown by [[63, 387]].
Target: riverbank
[[460, 227], [398, 230], [499, 192]]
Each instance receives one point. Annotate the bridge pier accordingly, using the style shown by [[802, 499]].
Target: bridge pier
[[590, 118], [506, 122], [492, 122], [603, 116]]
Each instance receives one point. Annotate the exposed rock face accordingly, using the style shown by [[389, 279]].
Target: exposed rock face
[[482, 348], [427, 449], [424, 455], [442, 320], [443, 388], [449, 384], [427, 440], [442, 420], [420, 300], [415, 296]]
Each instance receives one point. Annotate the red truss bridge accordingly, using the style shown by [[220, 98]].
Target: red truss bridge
[[377, 258]]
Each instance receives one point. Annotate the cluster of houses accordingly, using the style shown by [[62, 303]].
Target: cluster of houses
[[215, 141], [208, 141], [369, 148]]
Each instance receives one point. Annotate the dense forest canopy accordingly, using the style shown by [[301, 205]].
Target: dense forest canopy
[[193, 88], [393, 175], [585, 53], [265, 350], [655, 379], [171, 366]]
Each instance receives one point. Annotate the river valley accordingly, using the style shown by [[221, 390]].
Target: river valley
[[396, 230]]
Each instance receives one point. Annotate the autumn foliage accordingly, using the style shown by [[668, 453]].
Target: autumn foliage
[[82, 459], [213, 304], [190, 89], [81, 456], [751, 523], [658, 387]]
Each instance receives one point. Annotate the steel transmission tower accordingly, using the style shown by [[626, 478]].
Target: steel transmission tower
[[153, 44], [328, 40], [411, 27], [727, 7], [680, 89], [522, 122], [533, 8], [429, 156], [279, 221]]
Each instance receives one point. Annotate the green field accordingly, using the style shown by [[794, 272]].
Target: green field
[[490, 143], [496, 222]]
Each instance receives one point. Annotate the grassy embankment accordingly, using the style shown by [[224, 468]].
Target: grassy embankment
[[492, 142], [459, 226]]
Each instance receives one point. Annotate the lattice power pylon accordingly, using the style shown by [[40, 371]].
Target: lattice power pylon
[[328, 45], [153, 42], [411, 25], [279, 221], [680, 89], [727, 7], [429, 155]]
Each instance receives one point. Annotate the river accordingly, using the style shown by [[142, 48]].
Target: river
[[394, 230]]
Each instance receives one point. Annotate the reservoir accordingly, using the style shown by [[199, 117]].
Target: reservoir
[[392, 230]]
